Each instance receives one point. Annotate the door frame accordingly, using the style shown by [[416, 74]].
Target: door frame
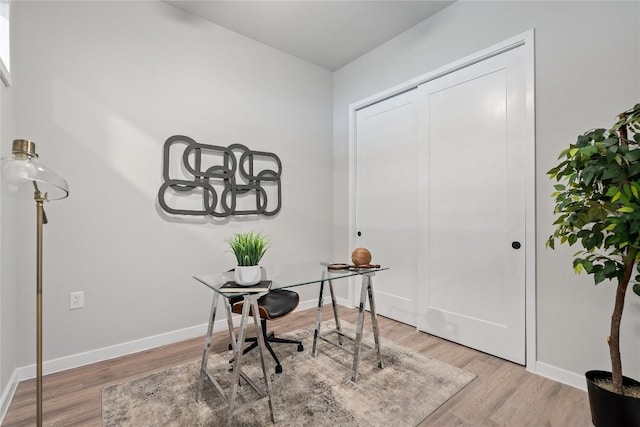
[[526, 41]]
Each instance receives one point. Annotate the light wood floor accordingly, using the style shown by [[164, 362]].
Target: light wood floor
[[503, 394]]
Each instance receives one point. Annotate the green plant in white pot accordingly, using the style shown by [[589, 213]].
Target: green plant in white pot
[[597, 200], [248, 248]]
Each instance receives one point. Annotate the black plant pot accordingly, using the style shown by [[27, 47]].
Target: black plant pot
[[609, 409]]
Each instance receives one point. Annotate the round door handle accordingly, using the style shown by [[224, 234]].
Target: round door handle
[[515, 245], [359, 233]]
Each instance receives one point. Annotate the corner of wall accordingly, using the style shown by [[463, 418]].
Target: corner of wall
[[7, 394]]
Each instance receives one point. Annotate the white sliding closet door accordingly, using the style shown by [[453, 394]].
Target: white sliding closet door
[[386, 200], [473, 125]]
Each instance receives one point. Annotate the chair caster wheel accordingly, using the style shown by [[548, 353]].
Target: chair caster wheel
[[300, 347], [278, 369], [230, 347]]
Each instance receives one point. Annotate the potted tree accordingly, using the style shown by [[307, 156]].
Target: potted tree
[[248, 248], [597, 200]]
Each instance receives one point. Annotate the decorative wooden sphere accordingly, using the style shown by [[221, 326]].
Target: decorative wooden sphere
[[361, 256]]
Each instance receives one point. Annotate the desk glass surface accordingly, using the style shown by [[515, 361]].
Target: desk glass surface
[[287, 276]]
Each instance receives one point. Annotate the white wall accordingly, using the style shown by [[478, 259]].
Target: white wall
[[3, 378], [8, 259], [99, 86], [587, 68]]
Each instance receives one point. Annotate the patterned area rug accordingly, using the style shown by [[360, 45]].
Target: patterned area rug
[[310, 392]]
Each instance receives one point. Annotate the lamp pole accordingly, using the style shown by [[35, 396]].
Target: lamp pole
[[20, 174], [41, 219]]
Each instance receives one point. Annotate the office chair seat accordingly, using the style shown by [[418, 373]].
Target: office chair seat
[[278, 303], [273, 305]]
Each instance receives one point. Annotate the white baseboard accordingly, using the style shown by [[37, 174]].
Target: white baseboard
[[7, 394], [110, 352], [561, 375], [123, 349]]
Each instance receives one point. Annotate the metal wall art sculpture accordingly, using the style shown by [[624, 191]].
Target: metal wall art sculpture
[[221, 176]]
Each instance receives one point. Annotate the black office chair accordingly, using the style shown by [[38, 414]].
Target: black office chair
[[273, 305]]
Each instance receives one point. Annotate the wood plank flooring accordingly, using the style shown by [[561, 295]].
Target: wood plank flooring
[[504, 394]]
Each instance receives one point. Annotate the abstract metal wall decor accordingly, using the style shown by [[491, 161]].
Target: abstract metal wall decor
[[221, 176]]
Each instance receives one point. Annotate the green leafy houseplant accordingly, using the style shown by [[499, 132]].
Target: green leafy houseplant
[[597, 200], [248, 248]]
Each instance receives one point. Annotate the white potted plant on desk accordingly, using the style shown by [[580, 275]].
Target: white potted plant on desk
[[248, 248]]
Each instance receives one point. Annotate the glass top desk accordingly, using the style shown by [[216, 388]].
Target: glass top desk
[[285, 276]]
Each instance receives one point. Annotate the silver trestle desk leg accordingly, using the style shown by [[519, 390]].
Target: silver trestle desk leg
[[262, 348], [316, 329], [374, 322], [232, 334], [237, 358], [365, 290], [359, 327], [336, 317], [207, 346], [250, 304], [334, 305]]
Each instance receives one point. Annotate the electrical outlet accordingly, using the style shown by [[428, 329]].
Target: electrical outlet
[[76, 300]]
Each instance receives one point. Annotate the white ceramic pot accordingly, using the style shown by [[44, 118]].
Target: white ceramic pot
[[247, 275]]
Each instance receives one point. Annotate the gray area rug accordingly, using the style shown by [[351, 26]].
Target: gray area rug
[[312, 392]]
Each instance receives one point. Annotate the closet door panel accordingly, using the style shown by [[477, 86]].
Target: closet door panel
[[386, 200]]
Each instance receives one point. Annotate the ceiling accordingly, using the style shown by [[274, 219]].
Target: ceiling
[[327, 33]]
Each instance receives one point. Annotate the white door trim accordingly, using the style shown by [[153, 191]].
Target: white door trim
[[525, 40]]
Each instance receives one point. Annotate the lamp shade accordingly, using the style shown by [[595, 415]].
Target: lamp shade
[[23, 173]]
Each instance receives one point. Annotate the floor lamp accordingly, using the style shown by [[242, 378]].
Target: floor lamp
[[24, 175]]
